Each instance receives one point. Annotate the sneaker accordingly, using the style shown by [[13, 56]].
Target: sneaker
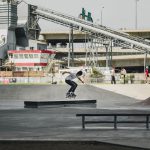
[[67, 95], [73, 95]]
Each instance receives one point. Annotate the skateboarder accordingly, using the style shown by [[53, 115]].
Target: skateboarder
[[69, 80]]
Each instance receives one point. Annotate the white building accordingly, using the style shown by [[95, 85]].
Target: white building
[[30, 60]]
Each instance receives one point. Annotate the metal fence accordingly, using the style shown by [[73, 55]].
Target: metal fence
[[7, 80], [58, 78]]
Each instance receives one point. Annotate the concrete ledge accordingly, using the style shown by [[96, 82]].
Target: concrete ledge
[[62, 145], [36, 104]]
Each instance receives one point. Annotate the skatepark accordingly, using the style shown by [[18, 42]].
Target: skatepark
[[58, 127]]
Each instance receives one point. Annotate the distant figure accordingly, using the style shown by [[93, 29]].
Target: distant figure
[[69, 80], [113, 80], [123, 72], [3, 39], [146, 74]]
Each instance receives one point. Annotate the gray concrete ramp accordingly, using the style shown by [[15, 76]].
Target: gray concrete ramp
[[21, 93], [145, 102]]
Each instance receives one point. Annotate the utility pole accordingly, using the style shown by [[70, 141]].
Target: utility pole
[[69, 50], [72, 46], [136, 14], [102, 15]]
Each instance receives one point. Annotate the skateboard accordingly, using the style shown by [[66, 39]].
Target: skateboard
[[70, 95]]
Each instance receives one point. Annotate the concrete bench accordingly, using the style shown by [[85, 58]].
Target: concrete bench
[[115, 118]]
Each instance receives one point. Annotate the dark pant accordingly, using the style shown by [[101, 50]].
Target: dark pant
[[113, 80], [124, 79], [72, 84]]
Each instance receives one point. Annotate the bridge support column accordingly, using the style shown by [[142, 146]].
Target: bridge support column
[[71, 48]]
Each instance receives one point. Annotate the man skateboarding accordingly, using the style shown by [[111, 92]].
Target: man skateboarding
[[69, 80]]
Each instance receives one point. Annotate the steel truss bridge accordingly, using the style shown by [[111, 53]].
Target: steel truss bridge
[[98, 33]]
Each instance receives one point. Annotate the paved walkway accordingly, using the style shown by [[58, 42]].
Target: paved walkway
[[137, 91]]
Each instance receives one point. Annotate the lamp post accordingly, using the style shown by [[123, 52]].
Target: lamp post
[[136, 13], [102, 15]]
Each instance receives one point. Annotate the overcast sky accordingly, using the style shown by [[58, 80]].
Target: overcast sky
[[116, 13]]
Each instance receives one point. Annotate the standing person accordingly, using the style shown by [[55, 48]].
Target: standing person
[[69, 80], [113, 80], [146, 74], [123, 72]]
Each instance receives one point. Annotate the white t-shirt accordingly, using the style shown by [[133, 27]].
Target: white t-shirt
[[83, 73], [113, 72], [123, 71], [71, 76]]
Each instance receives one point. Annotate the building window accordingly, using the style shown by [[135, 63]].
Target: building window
[[35, 55], [16, 56], [24, 69], [18, 69], [21, 56], [26, 56], [30, 69], [43, 55], [30, 55]]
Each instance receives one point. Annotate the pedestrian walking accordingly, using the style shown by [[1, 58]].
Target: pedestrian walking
[[146, 74], [113, 80], [124, 72]]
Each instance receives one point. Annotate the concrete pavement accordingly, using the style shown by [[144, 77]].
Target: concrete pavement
[[61, 123]]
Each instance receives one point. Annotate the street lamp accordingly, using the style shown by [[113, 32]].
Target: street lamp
[[136, 1], [102, 15]]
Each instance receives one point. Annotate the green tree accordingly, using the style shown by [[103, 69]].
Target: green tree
[[96, 73]]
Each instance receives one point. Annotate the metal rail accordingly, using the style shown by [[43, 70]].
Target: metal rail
[[115, 120]]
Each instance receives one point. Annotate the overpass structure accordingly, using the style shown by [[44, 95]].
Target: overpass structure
[[94, 33], [144, 33], [100, 32], [58, 37]]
